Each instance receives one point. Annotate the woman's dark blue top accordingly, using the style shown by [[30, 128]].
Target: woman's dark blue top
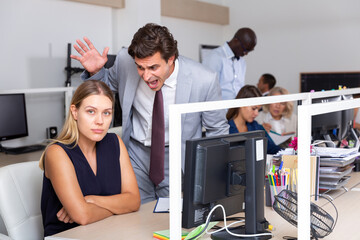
[[272, 148], [107, 180]]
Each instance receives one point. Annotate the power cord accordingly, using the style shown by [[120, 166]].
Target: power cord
[[226, 226]]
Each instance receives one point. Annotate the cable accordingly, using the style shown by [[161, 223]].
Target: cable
[[226, 226], [317, 142], [206, 225]]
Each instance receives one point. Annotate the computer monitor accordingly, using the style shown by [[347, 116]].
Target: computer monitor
[[326, 126], [117, 115], [13, 121], [227, 170], [347, 118]]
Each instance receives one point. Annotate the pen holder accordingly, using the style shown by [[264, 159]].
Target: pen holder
[[275, 190]]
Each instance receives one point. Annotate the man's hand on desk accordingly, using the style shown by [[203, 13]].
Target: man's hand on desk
[[63, 216]]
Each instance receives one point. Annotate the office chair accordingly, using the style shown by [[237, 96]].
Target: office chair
[[20, 194]]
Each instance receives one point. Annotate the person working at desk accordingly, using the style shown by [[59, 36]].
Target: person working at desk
[[242, 119], [229, 63], [150, 76], [266, 82], [87, 171], [278, 117]]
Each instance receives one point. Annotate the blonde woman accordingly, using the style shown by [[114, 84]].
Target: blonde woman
[[87, 172], [278, 117]]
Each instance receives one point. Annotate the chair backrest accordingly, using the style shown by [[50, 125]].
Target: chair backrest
[[20, 194]]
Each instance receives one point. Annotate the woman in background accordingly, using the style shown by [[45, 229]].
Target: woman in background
[[242, 119], [87, 171], [278, 117]]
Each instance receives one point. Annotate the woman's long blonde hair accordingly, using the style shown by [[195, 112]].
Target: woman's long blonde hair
[[69, 134]]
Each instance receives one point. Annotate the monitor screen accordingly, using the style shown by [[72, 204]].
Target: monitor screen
[[327, 124], [347, 119], [13, 122], [111, 60], [227, 170], [117, 116], [328, 81]]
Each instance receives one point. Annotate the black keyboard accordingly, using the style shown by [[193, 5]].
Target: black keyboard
[[24, 149]]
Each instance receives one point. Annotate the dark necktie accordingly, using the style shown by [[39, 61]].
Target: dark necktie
[[157, 154]]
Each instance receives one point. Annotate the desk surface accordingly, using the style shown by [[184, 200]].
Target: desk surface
[[142, 224], [137, 225], [7, 159]]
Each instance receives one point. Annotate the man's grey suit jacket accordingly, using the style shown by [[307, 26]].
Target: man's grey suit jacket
[[195, 83]]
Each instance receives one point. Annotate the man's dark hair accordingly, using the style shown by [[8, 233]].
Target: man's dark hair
[[269, 79], [153, 38]]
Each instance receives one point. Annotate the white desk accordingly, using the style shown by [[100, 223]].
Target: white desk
[[142, 224], [137, 225]]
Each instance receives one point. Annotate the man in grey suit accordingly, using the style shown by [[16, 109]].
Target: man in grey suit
[[153, 57]]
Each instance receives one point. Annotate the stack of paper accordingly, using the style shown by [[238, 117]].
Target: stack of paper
[[165, 234], [335, 152], [335, 164]]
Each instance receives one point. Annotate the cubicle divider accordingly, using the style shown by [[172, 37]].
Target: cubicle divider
[[305, 111]]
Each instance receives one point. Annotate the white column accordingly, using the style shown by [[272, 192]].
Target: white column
[[175, 171], [304, 172]]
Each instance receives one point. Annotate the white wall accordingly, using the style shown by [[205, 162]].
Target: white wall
[[299, 36], [293, 37], [33, 46]]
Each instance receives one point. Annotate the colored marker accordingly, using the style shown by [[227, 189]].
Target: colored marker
[[281, 165]]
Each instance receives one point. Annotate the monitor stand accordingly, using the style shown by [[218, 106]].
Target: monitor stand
[[255, 222]]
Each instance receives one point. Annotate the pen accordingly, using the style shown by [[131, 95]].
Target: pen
[[276, 179], [275, 132], [281, 165]]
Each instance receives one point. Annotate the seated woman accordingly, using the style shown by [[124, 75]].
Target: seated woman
[[87, 171], [278, 117], [242, 119]]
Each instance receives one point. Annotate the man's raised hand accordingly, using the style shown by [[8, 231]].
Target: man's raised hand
[[89, 57]]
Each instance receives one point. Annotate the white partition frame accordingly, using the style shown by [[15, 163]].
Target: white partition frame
[[304, 111], [304, 129], [67, 90]]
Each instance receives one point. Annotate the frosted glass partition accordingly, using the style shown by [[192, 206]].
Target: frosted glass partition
[[175, 127]]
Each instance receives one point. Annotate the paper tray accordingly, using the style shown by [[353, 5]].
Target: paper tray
[[335, 162], [335, 185], [336, 174]]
